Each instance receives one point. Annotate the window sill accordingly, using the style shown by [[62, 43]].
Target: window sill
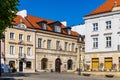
[[94, 48], [107, 47]]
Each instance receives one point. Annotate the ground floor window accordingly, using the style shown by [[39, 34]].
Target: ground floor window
[[95, 63], [28, 64], [44, 62], [108, 63]]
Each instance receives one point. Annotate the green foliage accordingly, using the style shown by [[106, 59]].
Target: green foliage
[[8, 10]]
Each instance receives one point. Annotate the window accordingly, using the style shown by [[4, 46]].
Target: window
[[57, 45], [12, 50], [20, 36], [48, 44], [69, 31], [39, 43], [28, 38], [20, 51], [108, 41], [66, 46], [73, 47], [28, 64], [12, 36], [95, 26], [108, 24], [44, 26], [28, 51], [57, 29], [95, 42]]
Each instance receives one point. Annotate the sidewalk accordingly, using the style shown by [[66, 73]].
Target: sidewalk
[[116, 74]]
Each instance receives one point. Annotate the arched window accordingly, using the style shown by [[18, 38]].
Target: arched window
[[44, 62], [69, 64]]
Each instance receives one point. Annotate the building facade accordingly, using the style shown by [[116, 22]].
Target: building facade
[[38, 44], [102, 48], [20, 46], [55, 45]]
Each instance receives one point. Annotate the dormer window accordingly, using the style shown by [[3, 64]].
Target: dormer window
[[44, 26], [69, 30], [21, 25], [57, 28]]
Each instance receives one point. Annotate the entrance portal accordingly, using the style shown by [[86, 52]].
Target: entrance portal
[[20, 66], [58, 65]]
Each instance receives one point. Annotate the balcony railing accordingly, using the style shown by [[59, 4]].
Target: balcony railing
[[22, 55]]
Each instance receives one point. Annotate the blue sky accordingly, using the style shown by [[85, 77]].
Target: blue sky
[[71, 11]]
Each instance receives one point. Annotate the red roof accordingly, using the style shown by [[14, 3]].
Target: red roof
[[105, 7], [32, 22]]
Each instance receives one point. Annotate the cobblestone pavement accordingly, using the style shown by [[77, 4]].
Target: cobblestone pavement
[[55, 76]]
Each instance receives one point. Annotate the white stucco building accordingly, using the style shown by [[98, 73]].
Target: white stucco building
[[102, 45]]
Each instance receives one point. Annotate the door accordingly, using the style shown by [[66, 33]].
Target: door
[[58, 65], [20, 66], [108, 63], [95, 63]]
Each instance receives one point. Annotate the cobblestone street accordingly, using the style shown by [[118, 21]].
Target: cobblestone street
[[54, 76]]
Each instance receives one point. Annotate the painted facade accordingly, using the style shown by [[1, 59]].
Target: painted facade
[[102, 46], [37, 44], [20, 48]]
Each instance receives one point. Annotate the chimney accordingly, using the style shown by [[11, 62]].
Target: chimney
[[22, 13]]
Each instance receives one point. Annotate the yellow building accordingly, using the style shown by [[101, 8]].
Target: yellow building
[[20, 46]]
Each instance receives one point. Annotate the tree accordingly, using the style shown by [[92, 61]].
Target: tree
[[8, 10]]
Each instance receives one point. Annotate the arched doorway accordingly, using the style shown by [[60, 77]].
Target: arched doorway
[[58, 65], [69, 64], [12, 64], [44, 63]]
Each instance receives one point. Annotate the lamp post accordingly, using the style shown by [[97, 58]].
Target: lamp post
[[79, 70]]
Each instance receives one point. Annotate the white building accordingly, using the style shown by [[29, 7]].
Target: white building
[[102, 45], [79, 28]]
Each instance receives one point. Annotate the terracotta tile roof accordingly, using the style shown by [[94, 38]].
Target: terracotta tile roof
[[32, 22], [18, 19], [105, 7]]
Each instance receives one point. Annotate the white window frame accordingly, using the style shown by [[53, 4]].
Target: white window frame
[[29, 51], [44, 25], [39, 42], [57, 28], [20, 36], [57, 45], [29, 39], [12, 50], [66, 46], [48, 44], [108, 24], [73, 47], [21, 50], [12, 35], [95, 42], [95, 26], [108, 41]]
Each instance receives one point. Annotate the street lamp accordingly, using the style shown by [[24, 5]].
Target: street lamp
[[79, 70]]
